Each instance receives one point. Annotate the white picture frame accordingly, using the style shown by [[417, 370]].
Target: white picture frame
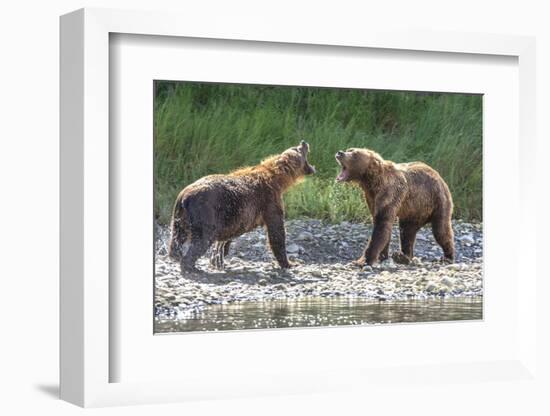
[[86, 301]]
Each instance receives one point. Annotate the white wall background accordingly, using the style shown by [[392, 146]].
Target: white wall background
[[29, 188]]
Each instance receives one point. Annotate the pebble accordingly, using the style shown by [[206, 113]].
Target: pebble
[[467, 239], [447, 281], [304, 236], [293, 248], [431, 287]]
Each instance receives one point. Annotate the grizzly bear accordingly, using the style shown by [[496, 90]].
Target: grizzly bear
[[412, 192], [219, 208]]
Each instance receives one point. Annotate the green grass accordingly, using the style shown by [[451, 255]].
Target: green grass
[[202, 129]]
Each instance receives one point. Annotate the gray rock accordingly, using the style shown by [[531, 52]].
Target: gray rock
[[467, 239], [447, 281], [431, 287], [293, 248], [305, 236]]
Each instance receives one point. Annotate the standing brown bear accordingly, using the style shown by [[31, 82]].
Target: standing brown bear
[[218, 208], [412, 192]]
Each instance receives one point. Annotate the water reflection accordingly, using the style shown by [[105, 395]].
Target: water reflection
[[313, 311]]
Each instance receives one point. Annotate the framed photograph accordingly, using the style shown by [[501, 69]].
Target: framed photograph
[[287, 211], [282, 242]]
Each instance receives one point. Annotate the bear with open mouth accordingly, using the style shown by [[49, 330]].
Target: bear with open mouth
[[218, 208], [413, 193]]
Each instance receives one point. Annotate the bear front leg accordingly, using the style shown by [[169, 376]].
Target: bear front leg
[[385, 253], [361, 261], [407, 235], [276, 236], [380, 239]]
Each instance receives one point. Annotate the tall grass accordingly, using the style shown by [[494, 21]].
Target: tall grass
[[202, 129]]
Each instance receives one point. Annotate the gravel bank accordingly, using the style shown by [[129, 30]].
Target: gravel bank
[[322, 253]]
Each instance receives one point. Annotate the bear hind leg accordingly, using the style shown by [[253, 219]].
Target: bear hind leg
[[443, 233], [198, 247], [226, 248], [219, 252]]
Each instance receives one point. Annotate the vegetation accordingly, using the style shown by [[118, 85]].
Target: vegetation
[[202, 129]]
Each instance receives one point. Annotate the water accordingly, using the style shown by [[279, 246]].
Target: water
[[319, 311]]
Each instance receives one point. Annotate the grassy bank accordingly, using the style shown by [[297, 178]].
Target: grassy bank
[[202, 129]]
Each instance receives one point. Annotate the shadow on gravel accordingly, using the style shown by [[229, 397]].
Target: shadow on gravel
[[263, 276]]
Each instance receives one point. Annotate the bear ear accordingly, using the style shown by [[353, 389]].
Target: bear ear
[[375, 162]]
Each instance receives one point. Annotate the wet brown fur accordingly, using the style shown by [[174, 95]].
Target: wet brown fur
[[218, 208], [413, 193]]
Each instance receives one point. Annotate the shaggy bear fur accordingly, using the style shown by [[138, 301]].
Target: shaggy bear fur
[[218, 208], [412, 192]]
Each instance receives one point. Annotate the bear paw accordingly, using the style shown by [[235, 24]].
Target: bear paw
[[400, 258]]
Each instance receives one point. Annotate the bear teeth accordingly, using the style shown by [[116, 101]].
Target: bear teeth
[[343, 175]]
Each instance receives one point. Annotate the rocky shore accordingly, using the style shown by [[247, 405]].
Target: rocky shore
[[322, 254]]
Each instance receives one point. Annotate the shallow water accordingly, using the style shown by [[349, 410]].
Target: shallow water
[[321, 311]]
